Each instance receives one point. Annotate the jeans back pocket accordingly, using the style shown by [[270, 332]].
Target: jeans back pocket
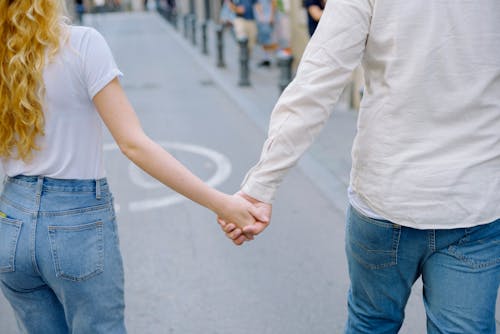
[[372, 242], [10, 230], [480, 247], [77, 251]]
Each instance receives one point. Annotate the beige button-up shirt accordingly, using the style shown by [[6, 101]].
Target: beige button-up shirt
[[427, 149]]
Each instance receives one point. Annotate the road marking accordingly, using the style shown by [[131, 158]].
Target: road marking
[[222, 172]]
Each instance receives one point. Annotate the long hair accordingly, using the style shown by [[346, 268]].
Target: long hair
[[30, 35]]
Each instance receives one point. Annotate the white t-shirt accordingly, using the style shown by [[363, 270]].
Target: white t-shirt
[[72, 145]]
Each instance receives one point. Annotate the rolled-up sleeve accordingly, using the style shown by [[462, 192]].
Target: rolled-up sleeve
[[99, 66], [332, 54]]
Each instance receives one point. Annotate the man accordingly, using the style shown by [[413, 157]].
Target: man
[[244, 23], [424, 191]]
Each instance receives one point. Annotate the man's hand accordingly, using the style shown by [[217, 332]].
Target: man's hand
[[263, 218]]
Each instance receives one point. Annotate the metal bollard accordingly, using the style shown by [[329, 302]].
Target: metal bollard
[[285, 65], [185, 20], [244, 58], [204, 48], [193, 29], [173, 19], [167, 14], [219, 31]]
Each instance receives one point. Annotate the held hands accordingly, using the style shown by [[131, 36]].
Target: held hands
[[240, 231]]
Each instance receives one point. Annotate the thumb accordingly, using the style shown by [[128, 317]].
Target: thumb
[[254, 229], [259, 214]]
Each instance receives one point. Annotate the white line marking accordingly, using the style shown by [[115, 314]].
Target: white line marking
[[222, 171]]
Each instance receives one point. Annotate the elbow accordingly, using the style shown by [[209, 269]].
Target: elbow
[[132, 147], [128, 149]]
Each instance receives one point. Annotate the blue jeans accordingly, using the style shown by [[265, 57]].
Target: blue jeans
[[460, 270], [60, 264]]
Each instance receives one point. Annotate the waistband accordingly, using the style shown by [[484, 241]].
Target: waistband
[[65, 185]]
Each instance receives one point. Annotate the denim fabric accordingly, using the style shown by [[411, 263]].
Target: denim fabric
[[460, 270], [264, 33], [60, 263]]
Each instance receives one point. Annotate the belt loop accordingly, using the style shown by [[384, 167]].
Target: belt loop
[[39, 187], [98, 189]]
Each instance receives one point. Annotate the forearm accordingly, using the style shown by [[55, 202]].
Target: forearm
[[259, 12], [157, 162], [236, 9], [306, 104]]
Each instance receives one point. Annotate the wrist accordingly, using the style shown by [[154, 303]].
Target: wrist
[[218, 202]]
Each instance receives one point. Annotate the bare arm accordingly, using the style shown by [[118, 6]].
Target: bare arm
[[237, 9], [259, 12], [315, 12], [121, 120], [274, 7]]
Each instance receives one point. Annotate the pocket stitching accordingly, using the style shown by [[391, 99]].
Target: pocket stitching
[[469, 261], [396, 235], [393, 253], [100, 265], [12, 244]]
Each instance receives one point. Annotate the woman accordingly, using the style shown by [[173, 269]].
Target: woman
[[60, 265]]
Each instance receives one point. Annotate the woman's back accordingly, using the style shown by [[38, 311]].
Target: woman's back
[[72, 145]]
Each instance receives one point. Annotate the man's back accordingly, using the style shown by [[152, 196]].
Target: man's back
[[430, 118], [427, 151]]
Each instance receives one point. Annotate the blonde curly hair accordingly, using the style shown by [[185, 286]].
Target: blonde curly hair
[[31, 32]]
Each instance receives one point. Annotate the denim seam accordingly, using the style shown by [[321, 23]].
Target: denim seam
[[473, 264], [396, 236], [68, 190], [20, 182], [34, 222], [56, 213], [14, 205], [77, 211], [13, 245], [375, 266], [395, 243], [48, 188], [381, 223], [432, 240]]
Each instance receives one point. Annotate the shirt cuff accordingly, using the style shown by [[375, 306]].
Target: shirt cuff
[[258, 190]]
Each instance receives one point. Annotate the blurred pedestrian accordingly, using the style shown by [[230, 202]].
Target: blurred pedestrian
[[314, 10], [244, 23], [282, 27], [80, 10], [265, 12], [99, 6], [424, 190], [60, 264], [226, 15]]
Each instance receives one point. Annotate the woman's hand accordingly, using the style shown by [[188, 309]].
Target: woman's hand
[[261, 214]]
